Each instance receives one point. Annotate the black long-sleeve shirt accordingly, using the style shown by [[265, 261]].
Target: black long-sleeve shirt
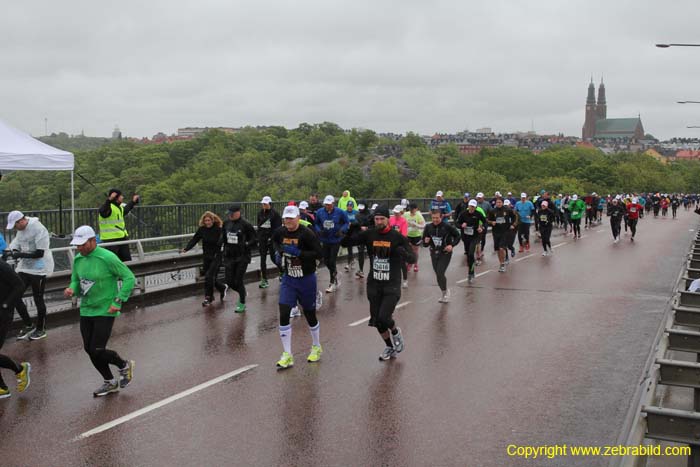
[[11, 285], [472, 219], [237, 238], [385, 249], [306, 241], [617, 211], [268, 222], [210, 240], [440, 236]]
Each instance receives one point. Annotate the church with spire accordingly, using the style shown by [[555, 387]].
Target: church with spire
[[597, 125]]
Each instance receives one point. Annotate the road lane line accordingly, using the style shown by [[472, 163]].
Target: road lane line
[[477, 275], [559, 244], [364, 320], [524, 257], [483, 273], [157, 405]]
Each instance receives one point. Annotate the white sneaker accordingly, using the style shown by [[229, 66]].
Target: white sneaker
[[544, 253], [404, 284], [445, 296], [331, 288], [295, 313]]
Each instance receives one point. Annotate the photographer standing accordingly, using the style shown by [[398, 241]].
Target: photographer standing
[[112, 225]]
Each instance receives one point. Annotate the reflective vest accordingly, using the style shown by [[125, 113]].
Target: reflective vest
[[113, 227], [305, 223]]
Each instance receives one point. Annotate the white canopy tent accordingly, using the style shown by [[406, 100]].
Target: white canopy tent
[[19, 151]]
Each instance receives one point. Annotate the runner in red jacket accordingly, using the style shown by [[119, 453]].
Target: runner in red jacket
[[633, 210]]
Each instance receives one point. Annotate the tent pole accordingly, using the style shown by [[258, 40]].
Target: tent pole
[[72, 201]]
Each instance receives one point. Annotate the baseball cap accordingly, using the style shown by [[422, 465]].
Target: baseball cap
[[290, 212], [472, 202], [467, 195], [374, 206], [360, 206], [479, 195], [523, 195], [439, 193], [381, 211], [498, 193], [303, 205], [350, 203], [506, 202], [510, 193], [329, 199], [404, 202], [82, 234], [635, 200], [234, 208], [266, 200], [398, 208], [574, 197], [12, 218]]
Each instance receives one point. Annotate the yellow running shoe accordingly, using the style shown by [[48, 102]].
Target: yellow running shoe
[[23, 377], [285, 361], [315, 355], [4, 393]]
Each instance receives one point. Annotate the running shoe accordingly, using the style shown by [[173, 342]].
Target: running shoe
[[315, 355], [223, 293], [579, 235], [470, 278], [285, 361], [263, 284], [25, 332], [616, 240], [478, 262], [520, 250], [36, 335], [507, 261], [502, 268], [295, 313], [631, 239], [359, 274], [527, 246], [319, 300], [544, 253], [415, 267], [512, 252], [207, 301], [404, 284], [126, 374], [397, 340], [5, 393], [445, 297], [388, 353], [23, 377], [240, 307], [331, 288], [107, 388]]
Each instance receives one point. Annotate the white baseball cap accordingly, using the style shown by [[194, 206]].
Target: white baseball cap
[[329, 199], [479, 195], [360, 206], [266, 200], [510, 193], [472, 202], [12, 218], [574, 197], [303, 205], [506, 202], [374, 206], [398, 208], [439, 193], [635, 200], [404, 202], [498, 193], [82, 234], [523, 195], [290, 212]]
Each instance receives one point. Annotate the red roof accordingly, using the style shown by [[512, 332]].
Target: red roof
[[688, 154]]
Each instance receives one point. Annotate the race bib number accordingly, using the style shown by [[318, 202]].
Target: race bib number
[[633, 209], [437, 241], [575, 213], [294, 268], [266, 225], [328, 225], [397, 228], [469, 231], [381, 270], [500, 220], [543, 218], [85, 286], [232, 238], [588, 206]]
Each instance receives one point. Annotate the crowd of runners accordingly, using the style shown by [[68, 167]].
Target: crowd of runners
[[303, 237]]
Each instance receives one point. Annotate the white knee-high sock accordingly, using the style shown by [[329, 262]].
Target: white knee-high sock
[[316, 334], [286, 336]]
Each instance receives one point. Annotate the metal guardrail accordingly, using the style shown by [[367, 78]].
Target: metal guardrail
[[648, 419]]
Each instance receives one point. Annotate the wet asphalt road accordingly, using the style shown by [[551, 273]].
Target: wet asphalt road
[[548, 353]]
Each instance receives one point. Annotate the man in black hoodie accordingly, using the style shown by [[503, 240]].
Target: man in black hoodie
[[237, 239], [11, 288], [112, 224], [616, 212], [268, 221]]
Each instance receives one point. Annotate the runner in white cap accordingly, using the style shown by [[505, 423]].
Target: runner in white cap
[[268, 222], [442, 204], [331, 225]]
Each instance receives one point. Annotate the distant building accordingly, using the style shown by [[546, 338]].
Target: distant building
[[116, 133], [191, 132], [597, 126]]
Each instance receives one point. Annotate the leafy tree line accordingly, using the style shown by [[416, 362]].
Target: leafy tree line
[[323, 158]]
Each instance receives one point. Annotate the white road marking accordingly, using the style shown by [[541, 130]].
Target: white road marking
[[364, 320], [601, 230], [475, 276], [157, 405], [524, 257], [483, 273], [559, 244]]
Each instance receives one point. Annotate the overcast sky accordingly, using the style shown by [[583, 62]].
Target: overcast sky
[[424, 66]]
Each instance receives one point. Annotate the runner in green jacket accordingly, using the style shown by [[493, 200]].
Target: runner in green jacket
[[577, 208], [96, 272]]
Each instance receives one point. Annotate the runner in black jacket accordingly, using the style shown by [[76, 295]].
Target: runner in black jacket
[[268, 222], [209, 233], [11, 289], [441, 238], [616, 212], [386, 248], [237, 238], [472, 223]]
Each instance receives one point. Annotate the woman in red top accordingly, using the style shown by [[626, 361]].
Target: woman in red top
[[633, 210]]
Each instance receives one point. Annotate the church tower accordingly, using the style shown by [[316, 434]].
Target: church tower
[[601, 107], [591, 112]]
